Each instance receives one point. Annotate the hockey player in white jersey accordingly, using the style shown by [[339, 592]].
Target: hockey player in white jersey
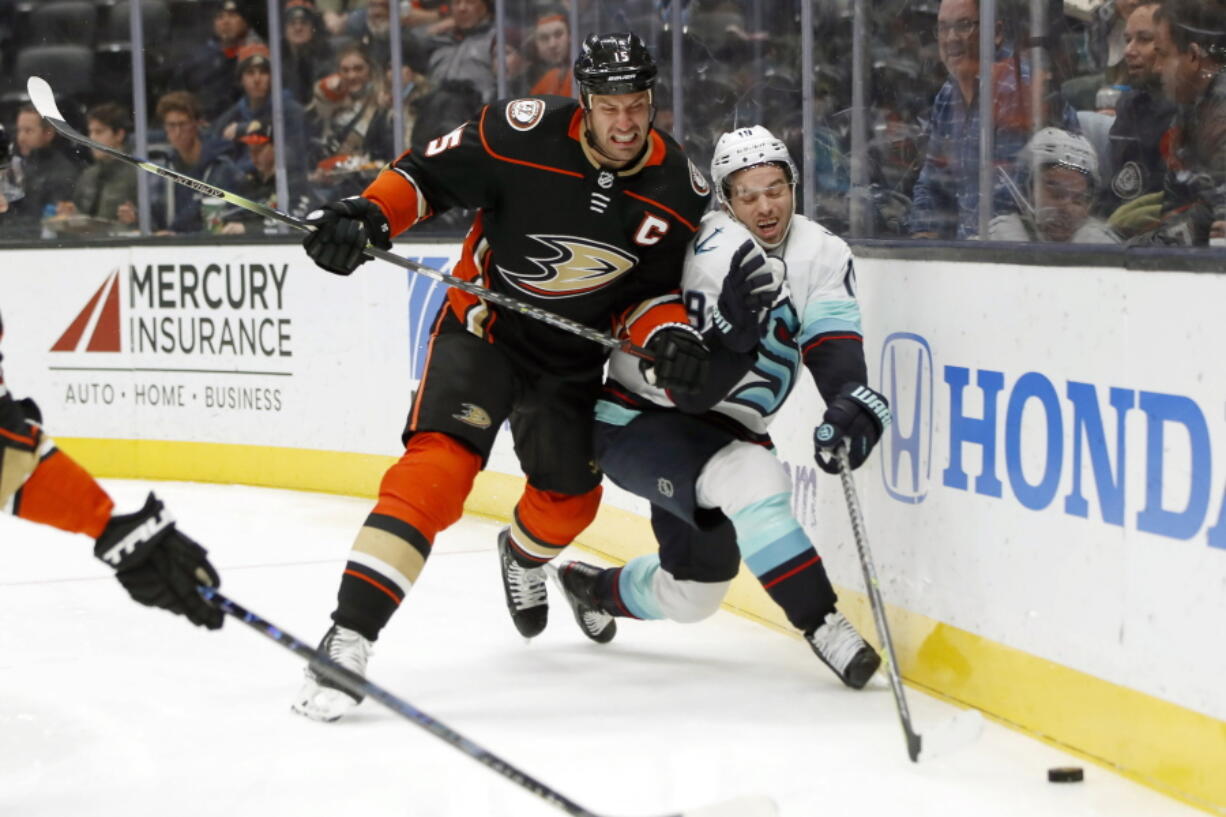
[[772, 292]]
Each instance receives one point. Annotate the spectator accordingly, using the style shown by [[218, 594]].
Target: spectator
[[461, 47], [946, 194], [1059, 171], [208, 73], [255, 78], [370, 28], [106, 189], [260, 184], [336, 13], [1112, 34], [11, 189], [1142, 116], [48, 176], [1191, 46], [552, 72], [306, 56], [355, 128], [179, 210]]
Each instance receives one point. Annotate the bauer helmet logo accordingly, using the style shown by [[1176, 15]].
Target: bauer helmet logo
[[575, 267], [664, 486], [524, 114], [474, 416]]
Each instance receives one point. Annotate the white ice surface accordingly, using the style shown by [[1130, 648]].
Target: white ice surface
[[109, 708]]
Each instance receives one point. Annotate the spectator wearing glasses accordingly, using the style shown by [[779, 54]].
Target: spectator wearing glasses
[[945, 201], [1060, 171], [178, 210]]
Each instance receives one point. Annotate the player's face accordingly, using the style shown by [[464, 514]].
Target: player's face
[[553, 42], [619, 124], [1062, 202], [761, 199], [1139, 45]]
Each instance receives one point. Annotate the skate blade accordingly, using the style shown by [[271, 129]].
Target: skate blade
[[952, 735]]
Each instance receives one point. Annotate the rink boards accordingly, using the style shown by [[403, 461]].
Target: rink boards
[[1046, 513]]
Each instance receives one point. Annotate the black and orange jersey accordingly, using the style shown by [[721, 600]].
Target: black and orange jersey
[[554, 228]]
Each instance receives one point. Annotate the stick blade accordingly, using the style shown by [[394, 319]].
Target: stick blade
[[748, 806], [956, 733], [43, 98]]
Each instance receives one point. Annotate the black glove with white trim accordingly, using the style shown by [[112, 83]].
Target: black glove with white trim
[[342, 231], [751, 286], [859, 415], [158, 565], [681, 359]]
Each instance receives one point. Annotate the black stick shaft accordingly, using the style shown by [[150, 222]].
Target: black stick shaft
[[914, 741], [44, 101], [359, 685]]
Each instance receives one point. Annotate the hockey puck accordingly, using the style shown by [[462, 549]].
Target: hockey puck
[[1065, 774]]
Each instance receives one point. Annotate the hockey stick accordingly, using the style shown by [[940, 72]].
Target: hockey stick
[[751, 806], [963, 728], [43, 99]]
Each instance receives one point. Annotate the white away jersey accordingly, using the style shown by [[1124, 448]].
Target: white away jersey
[[818, 299]]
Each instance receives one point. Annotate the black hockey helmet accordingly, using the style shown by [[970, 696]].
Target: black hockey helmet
[[617, 63]]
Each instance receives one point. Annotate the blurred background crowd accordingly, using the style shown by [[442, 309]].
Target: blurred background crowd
[[1106, 121]]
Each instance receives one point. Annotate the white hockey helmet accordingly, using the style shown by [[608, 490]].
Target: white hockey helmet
[[1054, 146], [744, 148]]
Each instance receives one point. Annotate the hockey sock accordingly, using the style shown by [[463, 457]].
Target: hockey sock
[[62, 494], [777, 551], [545, 522], [422, 494]]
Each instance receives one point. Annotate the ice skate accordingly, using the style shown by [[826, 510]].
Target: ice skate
[[842, 649], [321, 699], [527, 601], [578, 582]]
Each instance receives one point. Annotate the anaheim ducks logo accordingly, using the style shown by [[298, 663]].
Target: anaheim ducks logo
[[473, 415], [577, 266]]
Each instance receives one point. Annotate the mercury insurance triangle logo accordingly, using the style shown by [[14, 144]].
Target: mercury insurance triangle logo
[[96, 328]]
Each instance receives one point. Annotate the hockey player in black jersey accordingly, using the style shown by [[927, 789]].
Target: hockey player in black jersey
[[583, 209]]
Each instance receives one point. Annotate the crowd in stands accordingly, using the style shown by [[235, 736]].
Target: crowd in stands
[[1118, 136]]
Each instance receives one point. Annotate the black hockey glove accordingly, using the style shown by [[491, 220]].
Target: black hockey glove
[[681, 360], [158, 565], [859, 415], [753, 282], [20, 436], [342, 230]]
